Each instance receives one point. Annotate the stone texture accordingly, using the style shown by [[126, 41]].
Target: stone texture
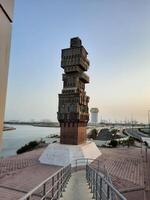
[[73, 103]]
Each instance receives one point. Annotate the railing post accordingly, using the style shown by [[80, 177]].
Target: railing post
[[67, 175], [61, 183], [87, 161], [63, 180], [76, 165], [70, 170], [44, 190], [58, 185], [108, 192], [112, 195], [87, 173], [100, 188], [96, 186], [92, 181], [53, 181]]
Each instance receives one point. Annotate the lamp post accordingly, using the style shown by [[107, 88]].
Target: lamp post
[[132, 124], [149, 120]]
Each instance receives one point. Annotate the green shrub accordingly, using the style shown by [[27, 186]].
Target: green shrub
[[114, 131], [131, 140], [93, 134], [28, 147], [113, 143], [146, 144]]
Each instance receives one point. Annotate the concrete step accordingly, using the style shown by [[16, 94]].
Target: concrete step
[[77, 188]]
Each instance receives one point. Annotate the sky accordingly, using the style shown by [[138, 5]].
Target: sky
[[116, 34]]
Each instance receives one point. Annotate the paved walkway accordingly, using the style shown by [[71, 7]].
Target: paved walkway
[[77, 188], [12, 164], [129, 172], [20, 174], [126, 168]]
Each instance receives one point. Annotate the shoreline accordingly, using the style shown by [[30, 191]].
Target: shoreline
[[9, 128], [38, 124]]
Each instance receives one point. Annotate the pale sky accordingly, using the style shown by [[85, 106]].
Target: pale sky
[[116, 34]]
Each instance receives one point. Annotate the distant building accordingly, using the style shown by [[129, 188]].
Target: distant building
[[94, 115], [6, 8]]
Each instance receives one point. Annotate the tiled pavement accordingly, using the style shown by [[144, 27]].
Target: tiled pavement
[[126, 168], [14, 163], [147, 174], [124, 163], [20, 174], [9, 194]]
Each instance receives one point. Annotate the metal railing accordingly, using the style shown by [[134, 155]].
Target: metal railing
[[97, 177], [101, 187], [52, 187], [80, 164]]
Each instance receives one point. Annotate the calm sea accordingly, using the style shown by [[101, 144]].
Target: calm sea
[[10, 141]]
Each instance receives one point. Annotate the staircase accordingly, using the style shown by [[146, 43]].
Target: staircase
[[82, 184], [77, 188]]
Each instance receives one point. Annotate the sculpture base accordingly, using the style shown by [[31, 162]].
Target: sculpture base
[[62, 154]]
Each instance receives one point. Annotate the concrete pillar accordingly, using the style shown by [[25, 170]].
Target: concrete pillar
[[6, 9]]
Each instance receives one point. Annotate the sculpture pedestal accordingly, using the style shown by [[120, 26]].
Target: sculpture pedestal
[[62, 154]]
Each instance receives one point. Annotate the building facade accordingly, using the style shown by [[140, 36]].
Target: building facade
[[73, 112], [6, 9], [94, 115]]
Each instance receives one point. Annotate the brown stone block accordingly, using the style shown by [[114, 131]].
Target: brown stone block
[[72, 134]]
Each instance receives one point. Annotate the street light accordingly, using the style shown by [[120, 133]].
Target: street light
[[132, 124], [149, 120]]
